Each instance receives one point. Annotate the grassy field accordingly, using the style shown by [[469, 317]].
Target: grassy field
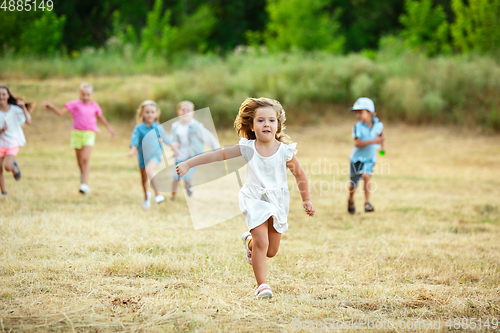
[[429, 253]]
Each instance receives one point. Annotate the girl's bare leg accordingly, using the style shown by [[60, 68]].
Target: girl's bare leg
[[78, 153], [144, 182], [2, 181], [85, 162], [149, 172], [9, 163], [265, 243]]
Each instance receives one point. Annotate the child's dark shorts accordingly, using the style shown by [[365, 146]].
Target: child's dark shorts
[[359, 168]]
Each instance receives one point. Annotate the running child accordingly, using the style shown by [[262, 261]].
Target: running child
[[13, 115], [264, 198], [147, 117], [367, 135], [191, 136], [85, 113]]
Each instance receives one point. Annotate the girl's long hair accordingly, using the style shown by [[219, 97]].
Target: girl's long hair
[[139, 118], [13, 100], [246, 115]]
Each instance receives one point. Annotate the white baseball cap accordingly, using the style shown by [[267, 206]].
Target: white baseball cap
[[363, 103]]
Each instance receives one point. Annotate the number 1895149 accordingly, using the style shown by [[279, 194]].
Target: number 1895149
[[26, 5]]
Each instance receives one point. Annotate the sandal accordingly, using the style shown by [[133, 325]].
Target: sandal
[[17, 175], [247, 237], [264, 292], [368, 207], [4, 192], [350, 207]]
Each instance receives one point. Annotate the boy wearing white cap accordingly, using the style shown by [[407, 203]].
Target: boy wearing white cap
[[367, 134]]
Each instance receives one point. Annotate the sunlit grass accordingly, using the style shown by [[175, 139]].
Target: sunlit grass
[[99, 262]]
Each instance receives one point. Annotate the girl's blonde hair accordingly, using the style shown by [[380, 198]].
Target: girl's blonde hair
[[86, 85], [181, 104], [246, 115], [139, 116]]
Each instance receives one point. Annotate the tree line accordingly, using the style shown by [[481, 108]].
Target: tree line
[[165, 27]]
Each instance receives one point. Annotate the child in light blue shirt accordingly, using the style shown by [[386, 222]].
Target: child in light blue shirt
[[367, 135], [148, 148]]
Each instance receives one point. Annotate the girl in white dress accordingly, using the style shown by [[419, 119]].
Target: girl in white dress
[[264, 199]]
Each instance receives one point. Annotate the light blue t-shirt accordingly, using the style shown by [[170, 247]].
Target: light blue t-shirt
[[364, 133], [151, 146]]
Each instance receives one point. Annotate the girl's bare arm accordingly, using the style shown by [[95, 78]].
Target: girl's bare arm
[[214, 156], [58, 111], [301, 178], [103, 121]]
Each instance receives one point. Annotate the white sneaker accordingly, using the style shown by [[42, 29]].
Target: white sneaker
[[246, 238], [84, 189], [159, 198], [146, 204], [264, 292]]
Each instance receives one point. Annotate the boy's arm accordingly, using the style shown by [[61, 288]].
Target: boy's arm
[[58, 111], [301, 178], [166, 140], [359, 143], [213, 156], [208, 138], [103, 121]]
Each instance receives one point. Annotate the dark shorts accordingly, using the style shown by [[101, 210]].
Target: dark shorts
[[359, 168]]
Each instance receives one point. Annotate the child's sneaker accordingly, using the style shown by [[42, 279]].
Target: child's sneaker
[[159, 198], [264, 292], [189, 190], [17, 175], [84, 189], [146, 204], [246, 238]]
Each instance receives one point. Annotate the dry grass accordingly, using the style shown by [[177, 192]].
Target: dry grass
[[101, 263]]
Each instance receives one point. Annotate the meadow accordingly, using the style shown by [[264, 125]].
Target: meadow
[[460, 89], [429, 252]]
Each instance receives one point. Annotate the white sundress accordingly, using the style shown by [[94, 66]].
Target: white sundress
[[265, 192]]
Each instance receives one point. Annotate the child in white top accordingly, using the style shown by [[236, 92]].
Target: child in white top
[[264, 199], [13, 114]]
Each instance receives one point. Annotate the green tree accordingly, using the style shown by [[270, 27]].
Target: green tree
[[305, 25], [194, 32], [44, 35], [425, 28], [157, 35], [476, 26]]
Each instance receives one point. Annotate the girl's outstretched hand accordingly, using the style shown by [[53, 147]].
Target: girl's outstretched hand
[[132, 152], [112, 132], [308, 207], [182, 168]]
